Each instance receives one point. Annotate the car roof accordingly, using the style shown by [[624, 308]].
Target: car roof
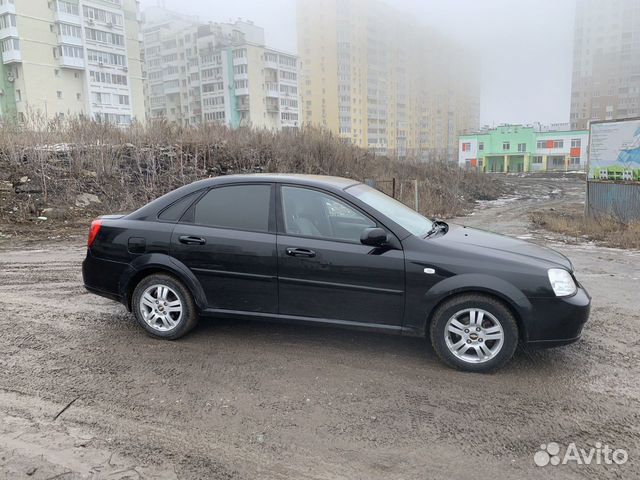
[[297, 178], [150, 210]]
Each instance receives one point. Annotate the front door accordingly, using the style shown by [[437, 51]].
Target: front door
[[228, 241], [325, 272]]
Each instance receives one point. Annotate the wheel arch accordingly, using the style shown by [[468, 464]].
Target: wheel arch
[[146, 265], [507, 293]]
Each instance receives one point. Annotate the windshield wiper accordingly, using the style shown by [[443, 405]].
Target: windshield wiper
[[436, 226]]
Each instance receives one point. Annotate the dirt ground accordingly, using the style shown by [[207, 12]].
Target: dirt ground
[[251, 400]]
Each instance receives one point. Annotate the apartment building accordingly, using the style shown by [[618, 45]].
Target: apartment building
[[524, 148], [383, 82], [71, 57], [606, 61], [217, 72]]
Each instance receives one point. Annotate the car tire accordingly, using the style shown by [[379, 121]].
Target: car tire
[[474, 332], [164, 307]]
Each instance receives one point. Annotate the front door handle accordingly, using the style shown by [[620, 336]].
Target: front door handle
[[300, 252], [190, 240]]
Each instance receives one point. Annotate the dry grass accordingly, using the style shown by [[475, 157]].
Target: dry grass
[[127, 168], [606, 231]]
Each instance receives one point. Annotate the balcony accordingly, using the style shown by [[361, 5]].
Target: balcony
[[8, 6], [272, 90], [67, 61], [11, 56], [10, 31], [70, 40], [11, 50], [64, 17], [240, 61]]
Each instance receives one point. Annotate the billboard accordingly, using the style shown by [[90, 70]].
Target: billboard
[[614, 150]]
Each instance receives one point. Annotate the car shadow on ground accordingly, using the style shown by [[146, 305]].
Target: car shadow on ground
[[304, 341]]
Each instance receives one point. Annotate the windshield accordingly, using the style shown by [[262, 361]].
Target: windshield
[[407, 218]]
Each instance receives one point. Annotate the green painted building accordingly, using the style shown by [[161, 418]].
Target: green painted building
[[523, 148]]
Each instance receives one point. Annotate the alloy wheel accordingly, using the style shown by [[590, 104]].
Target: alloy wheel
[[161, 307], [474, 335]]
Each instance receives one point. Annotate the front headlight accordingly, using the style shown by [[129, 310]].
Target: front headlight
[[562, 282]]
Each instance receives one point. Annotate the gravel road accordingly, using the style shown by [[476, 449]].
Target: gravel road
[[84, 393]]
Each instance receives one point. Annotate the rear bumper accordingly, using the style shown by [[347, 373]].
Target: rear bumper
[[560, 320], [103, 293], [102, 277]]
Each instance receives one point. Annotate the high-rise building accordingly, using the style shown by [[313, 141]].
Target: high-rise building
[[71, 57], [378, 79], [606, 61], [217, 72]]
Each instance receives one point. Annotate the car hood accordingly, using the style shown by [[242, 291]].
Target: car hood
[[473, 237]]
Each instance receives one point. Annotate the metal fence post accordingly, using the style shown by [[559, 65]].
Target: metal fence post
[[416, 193]]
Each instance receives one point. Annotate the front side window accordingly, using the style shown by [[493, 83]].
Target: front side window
[[238, 207], [407, 218], [311, 213]]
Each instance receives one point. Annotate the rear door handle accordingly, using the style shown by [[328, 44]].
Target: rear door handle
[[300, 252], [189, 240]]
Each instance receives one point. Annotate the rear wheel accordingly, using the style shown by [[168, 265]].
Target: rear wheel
[[164, 307], [474, 332]]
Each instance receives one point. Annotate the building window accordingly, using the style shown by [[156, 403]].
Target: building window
[[291, 76], [541, 144], [68, 7], [522, 147], [106, 58], [103, 16], [466, 147], [558, 143], [576, 143], [536, 159], [241, 53], [240, 69], [575, 161], [59, 93], [506, 145], [480, 146]]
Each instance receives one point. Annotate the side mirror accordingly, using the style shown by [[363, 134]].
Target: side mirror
[[375, 237]]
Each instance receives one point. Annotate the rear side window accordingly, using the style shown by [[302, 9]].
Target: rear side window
[[241, 207], [174, 211]]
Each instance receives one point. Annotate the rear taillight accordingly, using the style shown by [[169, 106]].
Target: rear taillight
[[93, 232]]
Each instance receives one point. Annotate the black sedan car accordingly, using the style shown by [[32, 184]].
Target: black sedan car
[[332, 251]]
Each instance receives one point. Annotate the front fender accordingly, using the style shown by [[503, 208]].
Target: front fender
[[478, 282], [160, 262]]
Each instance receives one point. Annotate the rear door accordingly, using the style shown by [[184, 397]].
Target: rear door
[[324, 270], [227, 239]]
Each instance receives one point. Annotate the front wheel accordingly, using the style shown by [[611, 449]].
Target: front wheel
[[474, 332], [164, 307]]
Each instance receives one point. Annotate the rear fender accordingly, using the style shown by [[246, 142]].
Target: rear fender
[[160, 262]]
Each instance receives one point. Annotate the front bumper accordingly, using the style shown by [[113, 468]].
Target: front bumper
[[558, 320]]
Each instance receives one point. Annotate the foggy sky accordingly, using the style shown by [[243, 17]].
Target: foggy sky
[[524, 46]]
